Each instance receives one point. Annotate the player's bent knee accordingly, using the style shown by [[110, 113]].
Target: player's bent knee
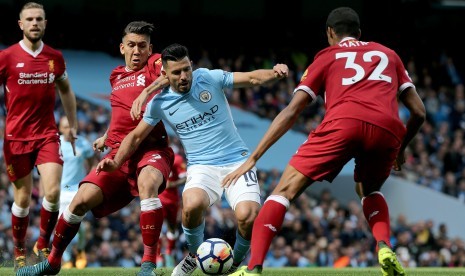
[[192, 209], [81, 205], [246, 212], [80, 209], [53, 196], [193, 203]]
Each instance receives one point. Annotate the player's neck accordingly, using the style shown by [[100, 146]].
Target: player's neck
[[33, 46]]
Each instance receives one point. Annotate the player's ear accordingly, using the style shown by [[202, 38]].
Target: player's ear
[[331, 32], [121, 48]]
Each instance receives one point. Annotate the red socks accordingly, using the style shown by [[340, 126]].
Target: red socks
[[48, 221], [267, 224], [19, 226], [171, 243], [64, 233], [376, 213], [150, 227]]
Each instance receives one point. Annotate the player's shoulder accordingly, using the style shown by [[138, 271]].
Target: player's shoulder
[[324, 53], [201, 72], [15, 48], [117, 71], [52, 51], [204, 74], [155, 58], [377, 45], [3, 54], [391, 53]]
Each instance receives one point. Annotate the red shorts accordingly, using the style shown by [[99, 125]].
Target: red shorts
[[22, 156], [327, 149], [170, 200], [120, 187]]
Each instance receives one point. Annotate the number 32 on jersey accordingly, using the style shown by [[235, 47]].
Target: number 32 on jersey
[[359, 71]]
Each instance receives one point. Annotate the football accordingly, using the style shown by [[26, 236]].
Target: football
[[214, 256]]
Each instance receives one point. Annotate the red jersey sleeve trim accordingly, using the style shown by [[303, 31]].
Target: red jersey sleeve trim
[[404, 86], [307, 90]]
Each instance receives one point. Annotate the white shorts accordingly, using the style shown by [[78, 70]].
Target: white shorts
[[65, 199], [209, 178]]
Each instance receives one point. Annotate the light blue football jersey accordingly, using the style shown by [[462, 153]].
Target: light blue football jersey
[[74, 169], [201, 118]]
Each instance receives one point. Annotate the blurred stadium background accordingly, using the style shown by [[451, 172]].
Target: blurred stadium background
[[325, 227]]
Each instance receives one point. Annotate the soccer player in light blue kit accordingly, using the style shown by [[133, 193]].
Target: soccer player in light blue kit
[[75, 168], [195, 106]]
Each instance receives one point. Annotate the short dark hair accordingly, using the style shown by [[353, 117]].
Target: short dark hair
[[344, 21], [139, 27], [174, 52], [31, 5]]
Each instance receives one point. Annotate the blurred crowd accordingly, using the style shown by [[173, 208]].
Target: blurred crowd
[[318, 231]]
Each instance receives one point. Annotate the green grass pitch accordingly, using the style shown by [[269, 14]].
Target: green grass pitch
[[268, 271]]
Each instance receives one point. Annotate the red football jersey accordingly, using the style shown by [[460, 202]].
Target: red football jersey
[[177, 171], [360, 80], [29, 81], [126, 87]]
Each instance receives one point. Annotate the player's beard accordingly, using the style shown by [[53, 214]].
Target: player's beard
[[34, 38]]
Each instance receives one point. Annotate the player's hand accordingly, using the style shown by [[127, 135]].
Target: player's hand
[[400, 160], [72, 136], [232, 177], [106, 165], [99, 144], [281, 71], [136, 108]]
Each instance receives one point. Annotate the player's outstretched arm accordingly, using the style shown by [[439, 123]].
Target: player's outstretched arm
[[280, 125], [260, 76], [141, 100], [128, 146]]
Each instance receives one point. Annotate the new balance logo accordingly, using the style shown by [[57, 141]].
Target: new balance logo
[[20, 65], [154, 158], [373, 214], [272, 228]]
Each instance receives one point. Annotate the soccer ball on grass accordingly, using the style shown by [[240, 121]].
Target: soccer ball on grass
[[214, 256]]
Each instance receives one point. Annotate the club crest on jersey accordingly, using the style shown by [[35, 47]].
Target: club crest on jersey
[[51, 65], [205, 96], [10, 170], [304, 76]]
